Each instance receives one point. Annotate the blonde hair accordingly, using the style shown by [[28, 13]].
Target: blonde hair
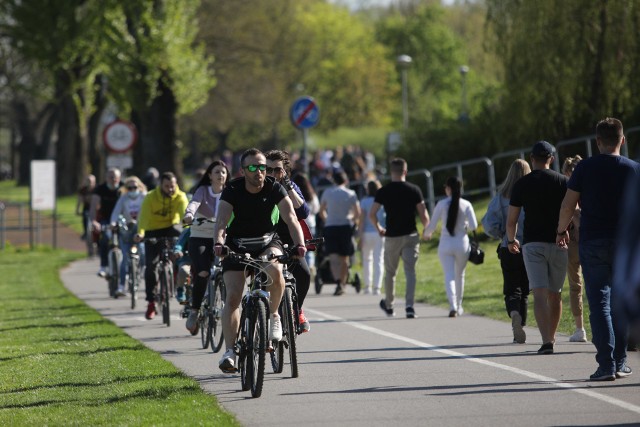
[[570, 164], [138, 183], [518, 169]]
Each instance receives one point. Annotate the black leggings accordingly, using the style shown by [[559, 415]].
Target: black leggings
[[516, 283], [201, 253], [300, 271]]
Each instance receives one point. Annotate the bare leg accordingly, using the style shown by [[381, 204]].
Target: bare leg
[[234, 282]]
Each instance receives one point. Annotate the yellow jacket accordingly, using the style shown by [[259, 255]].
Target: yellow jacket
[[159, 211]]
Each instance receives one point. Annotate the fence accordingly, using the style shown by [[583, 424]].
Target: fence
[[19, 218]]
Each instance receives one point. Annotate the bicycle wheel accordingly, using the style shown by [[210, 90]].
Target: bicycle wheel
[[134, 277], [115, 258], [277, 355], [257, 346], [205, 324], [243, 347], [216, 305], [289, 329], [164, 295]]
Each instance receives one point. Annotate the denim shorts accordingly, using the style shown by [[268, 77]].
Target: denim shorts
[[546, 265]]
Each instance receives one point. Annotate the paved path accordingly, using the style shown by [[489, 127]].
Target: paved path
[[360, 368]]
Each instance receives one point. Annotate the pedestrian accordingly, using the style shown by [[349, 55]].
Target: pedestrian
[[371, 243], [539, 194], [514, 274], [598, 184], [104, 199], [574, 271], [458, 218], [203, 207], [402, 201], [340, 209], [313, 202]]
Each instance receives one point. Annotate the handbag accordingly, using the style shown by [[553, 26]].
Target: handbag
[[476, 256]]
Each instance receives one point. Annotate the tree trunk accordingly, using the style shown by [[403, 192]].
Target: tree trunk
[[28, 142], [96, 155]]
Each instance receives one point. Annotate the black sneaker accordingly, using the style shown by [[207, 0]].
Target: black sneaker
[[384, 308], [411, 313], [546, 348], [453, 313], [339, 290], [601, 375], [623, 371]]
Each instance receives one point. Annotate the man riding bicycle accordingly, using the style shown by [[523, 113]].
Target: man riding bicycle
[[251, 200], [160, 216]]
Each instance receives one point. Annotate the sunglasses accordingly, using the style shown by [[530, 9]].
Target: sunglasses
[[132, 188], [275, 170], [253, 168]]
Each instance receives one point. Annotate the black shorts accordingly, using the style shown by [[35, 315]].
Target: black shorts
[[338, 239], [231, 265]]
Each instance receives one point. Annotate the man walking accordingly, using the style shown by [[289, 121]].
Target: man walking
[[540, 194], [104, 199], [598, 183], [401, 201]]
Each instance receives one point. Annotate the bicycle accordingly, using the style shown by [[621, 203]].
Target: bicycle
[[211, 310], [134, 273], [165, 266], [290, 316], [114, 257]]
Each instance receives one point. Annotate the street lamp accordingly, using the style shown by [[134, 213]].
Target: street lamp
[[404, 61], [464, 115]]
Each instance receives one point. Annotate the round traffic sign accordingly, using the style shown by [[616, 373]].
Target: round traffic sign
[[120, 136], [305, 113]]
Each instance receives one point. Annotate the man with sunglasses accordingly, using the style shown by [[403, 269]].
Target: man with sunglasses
[[246, 222], [279, 167]]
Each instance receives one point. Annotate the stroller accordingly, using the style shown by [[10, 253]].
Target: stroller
[[323, 271]]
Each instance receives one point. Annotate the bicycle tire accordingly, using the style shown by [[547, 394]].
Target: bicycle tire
[[205, 323], [134, 273], [257, 346], [243, 347], [215, 313], [164, 295], [290, 332], [277, 356], [114, 271]]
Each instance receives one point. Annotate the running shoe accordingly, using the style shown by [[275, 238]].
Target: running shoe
[[228, 362], [275, 332], [304, 323], [192, 322], [601, 375], [151, 311], [580, 335]]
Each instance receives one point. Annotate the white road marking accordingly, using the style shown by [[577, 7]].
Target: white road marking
[[569, 386]]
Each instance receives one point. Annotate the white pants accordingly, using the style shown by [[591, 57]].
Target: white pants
[[454, 254], [372, 260]]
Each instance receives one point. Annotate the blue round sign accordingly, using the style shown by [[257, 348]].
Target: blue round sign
[[305, 113]]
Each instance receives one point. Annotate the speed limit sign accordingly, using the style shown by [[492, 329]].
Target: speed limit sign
[[120, 136]]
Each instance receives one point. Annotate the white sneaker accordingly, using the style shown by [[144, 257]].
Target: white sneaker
[[367, 291], [376, 291], [121, 292], [275, 332], [102, 272], [580, 335], [228, 362]]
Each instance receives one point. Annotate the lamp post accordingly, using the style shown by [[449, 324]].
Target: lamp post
[[404, 61], [464, 115]]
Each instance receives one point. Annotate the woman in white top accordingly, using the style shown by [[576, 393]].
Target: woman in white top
[[128, 206], [458, 218], [370, 242], [204, 204]]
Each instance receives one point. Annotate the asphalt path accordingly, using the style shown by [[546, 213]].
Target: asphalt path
[[361, 368]]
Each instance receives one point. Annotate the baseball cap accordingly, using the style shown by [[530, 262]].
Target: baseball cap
[[543, 149]]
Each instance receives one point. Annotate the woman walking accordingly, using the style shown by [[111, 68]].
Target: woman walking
[[458, 217], [515, 280]]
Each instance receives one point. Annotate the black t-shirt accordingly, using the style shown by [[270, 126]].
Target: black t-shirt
[[540, 194], [253, 214], [108, 200], [399, 199]]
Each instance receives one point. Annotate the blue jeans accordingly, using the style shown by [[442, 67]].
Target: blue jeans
[[609, 329]]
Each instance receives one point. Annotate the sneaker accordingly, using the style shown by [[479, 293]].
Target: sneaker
[[228, 362], [601, 375], [580, 335], [389, 311], [275, 332], [519, 335], [339, 291], [102, 272], [367, 291], [411, 313], [623, 371], [304, 323], [192, 322], [460, 310], [547, 348], [151, 311], [376, 291], [357, 284], [180, 295], [453, 313], [121, 292]]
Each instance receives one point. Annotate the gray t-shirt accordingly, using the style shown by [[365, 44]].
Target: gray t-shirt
[[340, 202]]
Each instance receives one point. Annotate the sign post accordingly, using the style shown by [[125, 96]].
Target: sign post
[[305, 114], [119, 137]]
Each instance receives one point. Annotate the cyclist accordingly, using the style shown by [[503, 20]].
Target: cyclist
[[160, 216], [103, 201], [128, 206], [279, 167], [203, 205], [251, 200]]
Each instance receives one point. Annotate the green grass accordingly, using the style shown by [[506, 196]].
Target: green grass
[[61, 363]]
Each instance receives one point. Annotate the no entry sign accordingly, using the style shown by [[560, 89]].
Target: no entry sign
[[119, 136], [305, 113]]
